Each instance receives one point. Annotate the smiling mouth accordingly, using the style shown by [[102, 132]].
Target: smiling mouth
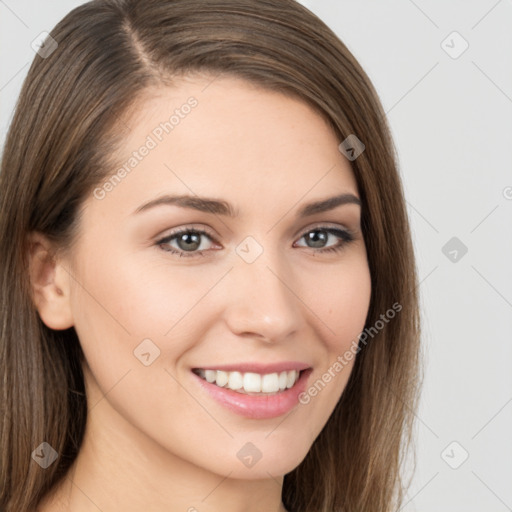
[[250, 383]]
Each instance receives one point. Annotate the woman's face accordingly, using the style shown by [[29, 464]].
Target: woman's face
[[253, 283]]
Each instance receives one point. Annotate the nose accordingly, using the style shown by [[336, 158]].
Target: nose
[[261, 301]]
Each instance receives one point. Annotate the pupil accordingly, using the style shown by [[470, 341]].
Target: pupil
[[318, 238], [189, 238]]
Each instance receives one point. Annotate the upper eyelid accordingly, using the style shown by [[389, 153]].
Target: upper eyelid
[[323, 225], [186, 229]]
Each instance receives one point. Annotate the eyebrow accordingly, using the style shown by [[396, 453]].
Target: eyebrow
[[221, 207]]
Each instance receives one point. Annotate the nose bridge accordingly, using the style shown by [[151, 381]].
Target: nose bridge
[[261, 300]]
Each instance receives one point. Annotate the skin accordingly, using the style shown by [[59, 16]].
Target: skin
[[154, 441]]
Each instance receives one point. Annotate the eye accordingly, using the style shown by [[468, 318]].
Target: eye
[[320, 236], [187, 240]]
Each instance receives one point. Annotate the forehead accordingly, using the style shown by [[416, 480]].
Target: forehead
[[226, 137]]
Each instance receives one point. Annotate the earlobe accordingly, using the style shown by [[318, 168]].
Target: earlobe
[[50, 284]]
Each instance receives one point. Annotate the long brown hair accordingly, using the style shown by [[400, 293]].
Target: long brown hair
[[57, 150]]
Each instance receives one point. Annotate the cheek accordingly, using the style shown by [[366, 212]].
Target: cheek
[[140, 317], [139, 297], [339, 303], [134, 323], [342, 298]]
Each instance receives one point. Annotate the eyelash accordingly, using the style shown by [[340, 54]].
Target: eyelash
[[345, 236]]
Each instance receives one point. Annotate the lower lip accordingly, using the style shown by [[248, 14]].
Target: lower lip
[[257, 407]]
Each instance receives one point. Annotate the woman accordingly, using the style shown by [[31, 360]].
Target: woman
[[208, 282]]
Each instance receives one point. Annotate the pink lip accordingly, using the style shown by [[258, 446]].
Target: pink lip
[[283, 366], [253, 406]]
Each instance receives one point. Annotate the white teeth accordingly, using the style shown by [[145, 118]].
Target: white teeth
[[270, 383], [222, 378], [283, 379], [290, 379], [250, 382], [210, 375], [235, 381]]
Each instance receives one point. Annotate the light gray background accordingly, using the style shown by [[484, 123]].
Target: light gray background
[[451, 120]]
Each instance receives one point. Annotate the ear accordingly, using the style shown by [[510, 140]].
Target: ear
[[50, 283]]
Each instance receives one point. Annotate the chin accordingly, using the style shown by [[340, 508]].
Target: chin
[[271, 463]]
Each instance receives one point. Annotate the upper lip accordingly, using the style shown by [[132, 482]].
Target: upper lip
[[262, 368]]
